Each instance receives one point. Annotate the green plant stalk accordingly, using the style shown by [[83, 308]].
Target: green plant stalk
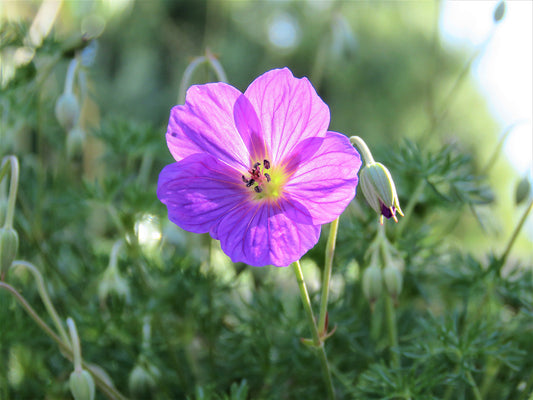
[[319, 344], [75, 344], [45, 298], [328, 266], [413, 200], [363, 149], [109, 390], [517, 230], [472, 383], [390, 316], [13, 186]]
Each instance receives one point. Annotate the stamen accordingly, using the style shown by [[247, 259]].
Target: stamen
[[257, 164], [268, 177], [258, 189], [266, 163], [250, 183], [244, 179]]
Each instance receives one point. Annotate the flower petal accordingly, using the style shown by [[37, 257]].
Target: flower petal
[[249, 128], [205, 124], [325, 178], [199, 190], [264, 234], [289, 110]]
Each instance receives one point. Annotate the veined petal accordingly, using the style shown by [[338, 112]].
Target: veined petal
[[264, 234], [205, 124], [325, 178], [289, 110], [199, 190], [249, 128]]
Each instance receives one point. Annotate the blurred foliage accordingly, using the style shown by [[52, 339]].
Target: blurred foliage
[[224, 331]]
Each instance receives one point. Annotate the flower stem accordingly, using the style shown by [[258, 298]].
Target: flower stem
[[328, 266], [13, 186], [45, 298], [363, 148], [393, 333], [413, 200], [108, 389], [517, 230], [75, 343], [472, 383], [319, 344]]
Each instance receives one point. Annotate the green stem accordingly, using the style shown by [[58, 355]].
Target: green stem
[[393, 333], [328, 266], [75, 343], [472, 383], [45, 298], [413, 200], [13, 186], [517, 230], [211, 60], [109, 390], [319, 344], [363, 149]]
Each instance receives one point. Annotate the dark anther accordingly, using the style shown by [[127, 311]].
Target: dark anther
[[257, 164], [258, 189], [244, 179], [250, 183], [268, 177], [266, 163]]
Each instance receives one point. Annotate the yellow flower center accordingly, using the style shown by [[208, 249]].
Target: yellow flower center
[[265, 182]]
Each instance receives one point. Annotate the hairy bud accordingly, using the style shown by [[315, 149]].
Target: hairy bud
[[81, 385], [392, 277], [379, 190], [372, 283], [67, 111]]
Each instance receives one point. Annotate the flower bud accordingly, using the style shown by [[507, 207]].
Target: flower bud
[[67, 111], [142, 380], [392, 277], [372, 283], [522, 190], [81, 385], [499, 12], [75, 141], [113, 285], [379, 190], [9, 244]]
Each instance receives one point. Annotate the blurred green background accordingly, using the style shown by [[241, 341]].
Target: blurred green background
[[382, 68]]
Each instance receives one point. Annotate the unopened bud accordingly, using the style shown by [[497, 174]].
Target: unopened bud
[[81, 385], [379, 190], [67, 111], [113, 285], [9, 244], [392, 277], [499, 12], [522, 190], [75, 141], [142, 380], [372, 283]]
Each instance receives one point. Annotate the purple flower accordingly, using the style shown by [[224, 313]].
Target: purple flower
[[259, 171]]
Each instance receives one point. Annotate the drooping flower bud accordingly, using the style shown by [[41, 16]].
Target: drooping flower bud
[[9, 244], [81, 385], [67, 111], [392, 277], [75, 141], [523, 190], [142, 380], [379, 190], [372, 283], [114, 286]]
